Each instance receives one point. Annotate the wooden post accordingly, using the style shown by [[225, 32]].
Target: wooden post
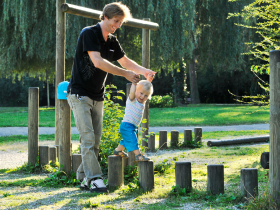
[[65, 136], [62, 109], [44, 155], [187, 136], [33, 124], [162, 140], [145, 63], [57, 151], [115, 171], [215, 179], [265, 160], [183, 175], [131, 159], [76, 161], [146, 175], [60, 59], [174, 138], [249, 182], [274, 147], [198, 135], [151, 142], [53, 154]]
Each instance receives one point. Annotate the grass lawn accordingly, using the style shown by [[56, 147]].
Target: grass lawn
[[19, 190], [200, 115]]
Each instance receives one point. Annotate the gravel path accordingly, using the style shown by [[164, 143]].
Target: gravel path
[[7, 131], [14, 155]]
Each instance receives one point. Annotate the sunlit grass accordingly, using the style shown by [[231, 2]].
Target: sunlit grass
[[201, 115], [234, 158]]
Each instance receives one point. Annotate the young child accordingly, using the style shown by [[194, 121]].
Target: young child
[[134, 110]]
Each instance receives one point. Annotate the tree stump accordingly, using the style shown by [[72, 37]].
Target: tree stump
[[44, 155], [53, 154], [76, 161], [115, 171], [151, 142], [162, 139], [146, 175], [249, 182], [131, 159], [183, 175], [265, 160], [198, 135], [57, 151], [174, 138], [215, 179], [187, 136]]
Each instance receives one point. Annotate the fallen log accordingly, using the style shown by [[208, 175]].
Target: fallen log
[[265, 160], [238, 141]]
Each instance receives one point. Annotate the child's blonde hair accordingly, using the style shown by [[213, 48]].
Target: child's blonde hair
[[148, 86]]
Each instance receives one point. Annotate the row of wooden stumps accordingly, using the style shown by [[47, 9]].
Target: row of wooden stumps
[[183, 177], [174, 138], [50, 154]]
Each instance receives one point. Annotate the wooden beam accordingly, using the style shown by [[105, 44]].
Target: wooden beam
[[94, 14]]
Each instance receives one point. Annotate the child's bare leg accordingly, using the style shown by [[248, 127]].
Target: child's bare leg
[[120, 148], [136, 152]]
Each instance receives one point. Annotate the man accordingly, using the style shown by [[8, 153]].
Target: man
[[96, 49]]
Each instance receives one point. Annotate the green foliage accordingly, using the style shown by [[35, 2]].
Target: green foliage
[[28, 33], [60, 179], [178, 191], [191, 144], [162, 167], [161, 102], [266, 26], [112, 117], [17, 90]]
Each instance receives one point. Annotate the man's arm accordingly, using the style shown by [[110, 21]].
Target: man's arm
[[107, 66], [133, 66]]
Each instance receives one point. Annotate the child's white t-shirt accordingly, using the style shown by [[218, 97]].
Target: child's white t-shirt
[[133, 112]]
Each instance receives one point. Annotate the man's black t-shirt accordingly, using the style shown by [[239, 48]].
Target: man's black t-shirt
[[87, 80]]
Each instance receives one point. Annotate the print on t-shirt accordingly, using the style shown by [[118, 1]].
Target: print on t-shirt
[[89, 68]]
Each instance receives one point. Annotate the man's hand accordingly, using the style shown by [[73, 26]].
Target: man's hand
[[132, 77], [150, 77], [147, 72]]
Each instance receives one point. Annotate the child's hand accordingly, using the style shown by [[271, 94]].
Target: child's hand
[[150, 77]]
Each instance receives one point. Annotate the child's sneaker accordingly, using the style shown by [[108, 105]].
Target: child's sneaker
[[141, 157], [98, 186], [84, 184]]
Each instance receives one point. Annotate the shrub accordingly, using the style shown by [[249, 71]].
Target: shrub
[[112, 117], [162, 101]]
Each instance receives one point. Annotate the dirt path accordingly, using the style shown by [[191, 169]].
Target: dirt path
[[16, 154]]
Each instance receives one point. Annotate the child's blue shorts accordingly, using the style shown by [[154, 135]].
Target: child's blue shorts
[[129, 134]]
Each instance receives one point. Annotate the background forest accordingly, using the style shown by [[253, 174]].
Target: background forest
[[202, 50]]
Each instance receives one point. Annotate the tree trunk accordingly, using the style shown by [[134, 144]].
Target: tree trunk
[[194, 89], [48, 86]]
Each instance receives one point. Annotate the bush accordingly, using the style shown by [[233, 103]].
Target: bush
[[112, 117], [162, 102]]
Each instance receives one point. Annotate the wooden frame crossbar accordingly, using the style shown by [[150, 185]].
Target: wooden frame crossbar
[[94, 14]]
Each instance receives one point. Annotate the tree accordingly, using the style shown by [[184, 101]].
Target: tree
[[261, 17], [218, 43]]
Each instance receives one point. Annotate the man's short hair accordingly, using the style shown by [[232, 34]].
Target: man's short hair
[[115, 9]]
